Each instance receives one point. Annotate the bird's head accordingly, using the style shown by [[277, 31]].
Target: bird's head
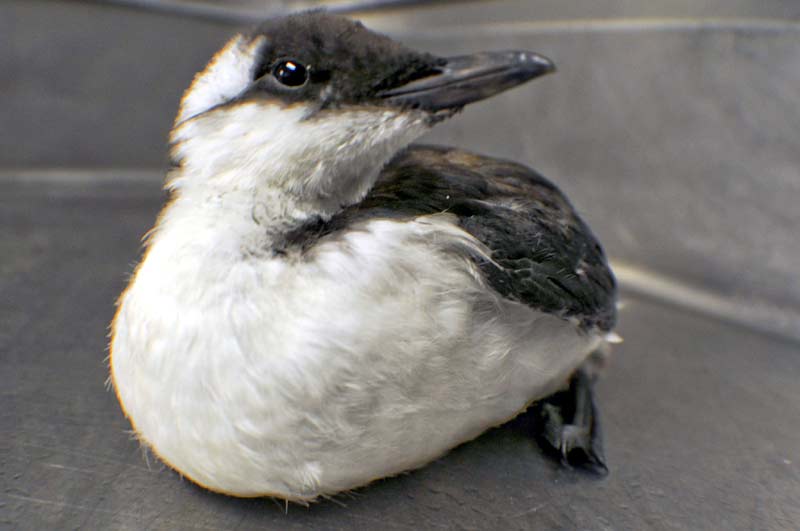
[[311, 106]]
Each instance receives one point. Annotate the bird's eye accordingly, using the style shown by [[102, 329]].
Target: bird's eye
[[290, 73]]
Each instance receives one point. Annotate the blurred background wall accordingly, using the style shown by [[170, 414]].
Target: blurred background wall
[[673, 125]]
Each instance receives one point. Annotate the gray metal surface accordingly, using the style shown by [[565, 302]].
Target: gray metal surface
[[245, 11], [671, 125], [702, 419]]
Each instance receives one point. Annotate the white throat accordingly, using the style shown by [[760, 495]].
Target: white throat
[[272, 166]]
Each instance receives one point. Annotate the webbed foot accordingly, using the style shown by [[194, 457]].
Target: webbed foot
[[568, 425]]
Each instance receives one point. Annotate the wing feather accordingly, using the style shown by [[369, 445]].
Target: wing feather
[[542, 253]]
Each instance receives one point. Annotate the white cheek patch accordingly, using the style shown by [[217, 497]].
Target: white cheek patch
[[226, 76]]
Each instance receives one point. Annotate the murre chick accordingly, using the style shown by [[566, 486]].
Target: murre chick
[[320, 304]]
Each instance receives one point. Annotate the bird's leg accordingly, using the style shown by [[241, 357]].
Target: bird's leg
[[567, 423]]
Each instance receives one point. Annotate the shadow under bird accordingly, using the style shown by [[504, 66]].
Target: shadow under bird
[[322, 304]]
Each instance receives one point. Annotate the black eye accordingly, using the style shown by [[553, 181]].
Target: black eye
[[290, 73]]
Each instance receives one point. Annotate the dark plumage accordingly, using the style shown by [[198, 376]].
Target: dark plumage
[[543, 254], [351, 63]]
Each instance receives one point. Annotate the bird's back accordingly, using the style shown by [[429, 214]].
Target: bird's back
[[541, 252]]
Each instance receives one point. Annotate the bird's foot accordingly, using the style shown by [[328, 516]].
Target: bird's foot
[[568, 425]]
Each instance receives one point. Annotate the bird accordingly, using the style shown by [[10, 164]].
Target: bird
[[322, 303]]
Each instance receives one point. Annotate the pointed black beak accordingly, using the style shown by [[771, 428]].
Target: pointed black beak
[[469, 78]]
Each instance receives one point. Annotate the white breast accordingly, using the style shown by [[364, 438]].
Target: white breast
[[305, 375]]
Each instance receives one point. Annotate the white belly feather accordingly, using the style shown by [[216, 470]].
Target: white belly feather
[[307, 375]]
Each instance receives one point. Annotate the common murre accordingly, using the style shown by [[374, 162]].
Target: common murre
[[320, 305]]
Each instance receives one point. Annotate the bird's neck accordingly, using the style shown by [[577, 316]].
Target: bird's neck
[[251, 173], [246, 220]]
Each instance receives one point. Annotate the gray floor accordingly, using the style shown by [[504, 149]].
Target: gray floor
[[672, 125]]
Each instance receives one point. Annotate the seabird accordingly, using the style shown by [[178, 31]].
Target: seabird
[[322, 304]]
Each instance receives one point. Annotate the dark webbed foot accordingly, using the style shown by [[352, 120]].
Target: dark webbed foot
[[567, 424]]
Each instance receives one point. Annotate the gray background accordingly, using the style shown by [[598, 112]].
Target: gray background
[[673, 126]]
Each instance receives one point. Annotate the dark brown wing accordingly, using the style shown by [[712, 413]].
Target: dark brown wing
[[543, 254]]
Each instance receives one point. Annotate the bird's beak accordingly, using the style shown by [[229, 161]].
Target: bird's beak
[[468, 78]]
